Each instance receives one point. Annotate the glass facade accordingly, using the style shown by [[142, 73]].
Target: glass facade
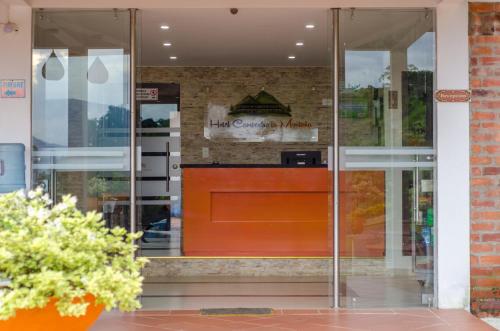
[[232, 213], [386, 138], [81, 109], [208, 109], [234, 158]]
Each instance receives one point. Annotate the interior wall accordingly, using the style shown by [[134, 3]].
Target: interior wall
[[305, 89]]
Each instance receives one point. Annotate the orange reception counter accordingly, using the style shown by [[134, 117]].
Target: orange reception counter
[[267, 210]]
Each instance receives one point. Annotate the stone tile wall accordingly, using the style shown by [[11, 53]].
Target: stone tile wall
[[303, 88], [263, 267]]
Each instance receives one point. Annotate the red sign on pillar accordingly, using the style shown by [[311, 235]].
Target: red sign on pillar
[[452, 95]]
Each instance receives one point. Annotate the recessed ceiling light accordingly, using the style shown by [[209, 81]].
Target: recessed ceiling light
[[167, 44], [291, 57], [299, 43], [173, 58], [310, 26], [164, 27]]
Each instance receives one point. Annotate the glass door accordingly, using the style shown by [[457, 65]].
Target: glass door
[[386, 157], [81, 109], [234, 125], [159, 182]]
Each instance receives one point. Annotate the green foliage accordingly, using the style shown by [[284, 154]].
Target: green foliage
[[64, 254], [414, 123], [96, 186]]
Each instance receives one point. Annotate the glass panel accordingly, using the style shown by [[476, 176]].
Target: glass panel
[[81, 109], [159, 183], [239, 116], [386, 155]]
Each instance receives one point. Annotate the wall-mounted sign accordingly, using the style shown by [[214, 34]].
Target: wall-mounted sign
[[146, 94], [393, 100], [221, 124], [12, 88], [452, 95]]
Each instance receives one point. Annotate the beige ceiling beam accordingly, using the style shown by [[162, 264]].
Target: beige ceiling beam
[[234, 3], [15, 3]]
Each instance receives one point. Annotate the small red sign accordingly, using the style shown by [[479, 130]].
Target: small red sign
[[146, 94], [453, 95]]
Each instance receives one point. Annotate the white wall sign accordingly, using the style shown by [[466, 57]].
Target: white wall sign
[[12, 88]]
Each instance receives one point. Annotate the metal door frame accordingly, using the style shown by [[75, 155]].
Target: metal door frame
[[335, 134]]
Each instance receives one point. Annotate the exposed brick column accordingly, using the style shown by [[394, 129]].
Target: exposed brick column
[[484, 37]]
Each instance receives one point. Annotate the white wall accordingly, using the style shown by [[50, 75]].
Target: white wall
[[15, 63], [453, 157]]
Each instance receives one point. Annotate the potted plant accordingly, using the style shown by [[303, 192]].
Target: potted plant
[[60, 267]]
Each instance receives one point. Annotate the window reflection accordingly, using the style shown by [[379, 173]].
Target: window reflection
[[386, 156], [81, 110]]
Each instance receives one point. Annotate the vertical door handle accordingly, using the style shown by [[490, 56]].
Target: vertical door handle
[[330, 158], [2, 168], [414, 221], [167, 182]]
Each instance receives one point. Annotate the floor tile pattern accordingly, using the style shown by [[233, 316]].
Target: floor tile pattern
[[287, 320]]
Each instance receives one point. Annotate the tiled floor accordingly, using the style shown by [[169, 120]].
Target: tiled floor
[[231, 292], [164, 293], [310, 320]]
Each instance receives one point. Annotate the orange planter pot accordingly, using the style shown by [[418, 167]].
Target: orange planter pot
[[48, 318]]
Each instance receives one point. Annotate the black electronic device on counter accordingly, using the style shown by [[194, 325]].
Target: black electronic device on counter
[[301, 158]]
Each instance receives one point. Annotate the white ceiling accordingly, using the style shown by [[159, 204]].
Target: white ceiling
[[253, 37], [266, 37], [215, 37]]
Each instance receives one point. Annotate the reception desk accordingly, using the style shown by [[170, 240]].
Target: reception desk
[[258, 210]]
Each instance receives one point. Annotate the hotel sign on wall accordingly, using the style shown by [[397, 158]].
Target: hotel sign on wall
[[452, 95], [257, 118]]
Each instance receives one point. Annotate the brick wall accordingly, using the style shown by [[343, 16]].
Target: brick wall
[[484, 35]]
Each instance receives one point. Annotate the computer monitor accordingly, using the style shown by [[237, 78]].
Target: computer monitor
[[300, 158]]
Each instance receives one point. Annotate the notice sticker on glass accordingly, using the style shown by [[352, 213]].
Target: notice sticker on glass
[[393, 100], [146, 94], [427, 185]]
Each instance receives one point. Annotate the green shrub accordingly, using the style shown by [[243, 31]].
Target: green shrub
[[59, 252]]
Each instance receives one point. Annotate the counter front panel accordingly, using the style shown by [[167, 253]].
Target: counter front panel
[[262, 211]]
